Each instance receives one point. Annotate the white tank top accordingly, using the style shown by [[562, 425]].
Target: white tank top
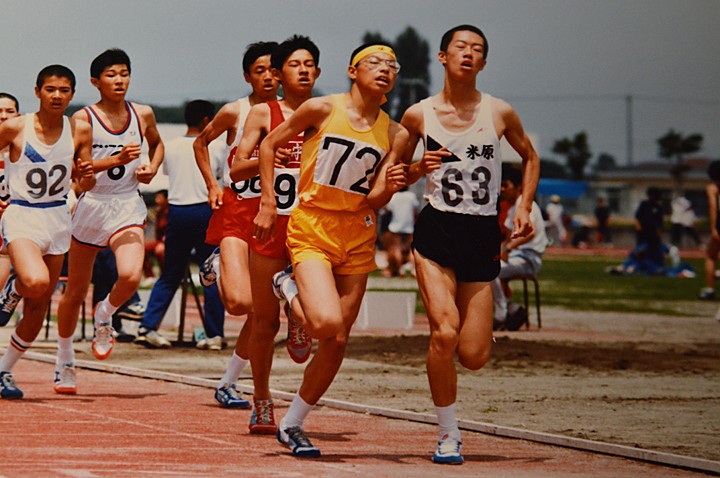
[[106, 142], [468, 182], [41, 175], [246, 188]]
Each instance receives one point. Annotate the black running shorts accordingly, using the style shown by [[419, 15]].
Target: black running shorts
[[467, 244]]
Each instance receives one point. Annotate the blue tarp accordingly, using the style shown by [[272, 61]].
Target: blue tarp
[[562, 187]]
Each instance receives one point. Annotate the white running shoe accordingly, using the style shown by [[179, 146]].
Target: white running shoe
[[65, 380], [103, 342]]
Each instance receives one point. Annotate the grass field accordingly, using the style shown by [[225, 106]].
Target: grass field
[[580, 283]]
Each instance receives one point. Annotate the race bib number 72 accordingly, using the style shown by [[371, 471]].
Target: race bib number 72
[[347, 164]]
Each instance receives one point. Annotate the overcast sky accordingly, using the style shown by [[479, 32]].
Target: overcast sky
[[565, 65]]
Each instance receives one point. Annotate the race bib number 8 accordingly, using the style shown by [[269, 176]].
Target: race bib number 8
[[347, 164]]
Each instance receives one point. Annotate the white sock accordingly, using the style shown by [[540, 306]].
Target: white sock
[[233, 371], [65, 352], [296, 414], [104, 312], [447, 420], [15, 350], [289, 289]]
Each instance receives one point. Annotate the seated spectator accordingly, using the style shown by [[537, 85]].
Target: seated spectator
[[654, 259], [398, 237], [519, 256]]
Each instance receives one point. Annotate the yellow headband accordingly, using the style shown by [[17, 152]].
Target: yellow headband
[[370, 50]]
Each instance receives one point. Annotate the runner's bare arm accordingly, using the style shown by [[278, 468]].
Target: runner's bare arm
[[83, 164], [308, 118], [513, 130], [225, 121], [392, 173], [244, 166], [156, 149]]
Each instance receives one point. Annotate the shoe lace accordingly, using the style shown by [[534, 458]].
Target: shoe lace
[[448, 446], [67, 374], [231, 392], [297, 435], [8, 381], [265, 413], [297, 334], [103, 334], [11, 302]]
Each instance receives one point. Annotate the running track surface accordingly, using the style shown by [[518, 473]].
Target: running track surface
[[127, 427]]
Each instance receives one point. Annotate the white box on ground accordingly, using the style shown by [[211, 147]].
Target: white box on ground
[[172, 315], [394, 310]]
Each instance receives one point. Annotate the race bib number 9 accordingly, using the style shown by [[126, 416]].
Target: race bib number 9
[[286, 196], [347, 164]]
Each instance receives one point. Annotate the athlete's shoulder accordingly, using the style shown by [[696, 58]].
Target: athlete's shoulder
[[142, 110], [79, 123], [397, 132], [499, 105], [320, 103]]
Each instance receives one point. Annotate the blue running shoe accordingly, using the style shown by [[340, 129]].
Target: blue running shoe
[[8, 389], [228, 397], [278, 280], [208, 276], [9, 300], [295, 439], [448, 451]]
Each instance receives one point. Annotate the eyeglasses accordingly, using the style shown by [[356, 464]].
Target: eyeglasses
[[374, 63]]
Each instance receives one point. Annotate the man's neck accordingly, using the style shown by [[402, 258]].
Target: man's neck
[[457, 92], [193, 131], [255, 98], [293, 101], [366, 106], [112, 107]]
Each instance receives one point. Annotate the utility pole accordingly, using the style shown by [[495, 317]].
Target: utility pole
[[629, 129]]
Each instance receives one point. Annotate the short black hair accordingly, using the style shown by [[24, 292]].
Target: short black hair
[[55, 70], [110, 57], [290, 46], [653, 193], [367, 44], [255, 51], [448, 36], [196, 110], [714, 170], [11, 98], [512, 174]]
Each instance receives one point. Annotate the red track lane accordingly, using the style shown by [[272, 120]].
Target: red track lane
[[128, 427]]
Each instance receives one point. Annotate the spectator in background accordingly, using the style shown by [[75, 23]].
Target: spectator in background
[[603, 235], [555, 221], [398, 237], [156, 247], [649, 219], [682, 219], [713, 247], [519, 256], [187, 222]]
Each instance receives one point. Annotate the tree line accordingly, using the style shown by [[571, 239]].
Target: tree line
[[413, 84]]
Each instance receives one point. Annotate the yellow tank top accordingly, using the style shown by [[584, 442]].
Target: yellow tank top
[[339, 162]]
